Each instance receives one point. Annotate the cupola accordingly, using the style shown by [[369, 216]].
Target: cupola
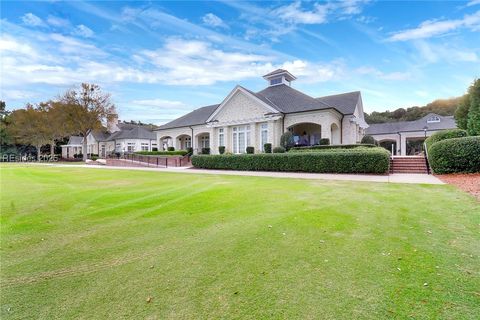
[[279, 76]]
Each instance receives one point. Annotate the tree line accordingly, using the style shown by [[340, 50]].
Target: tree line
[[443, 107], [76, 112]]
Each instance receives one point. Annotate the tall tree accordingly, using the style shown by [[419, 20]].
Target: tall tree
[[5, 138], [30, 126], [87, 107], [461, 114], [473, 124]]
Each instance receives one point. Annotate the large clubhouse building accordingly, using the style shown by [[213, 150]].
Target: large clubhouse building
[[245, 118]]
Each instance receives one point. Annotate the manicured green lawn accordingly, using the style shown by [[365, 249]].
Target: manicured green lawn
[[79, 243]]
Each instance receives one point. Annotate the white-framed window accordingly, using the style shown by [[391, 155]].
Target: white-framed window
[[275, 81], [144, 146], [433, 119], [221, 137], [205, 142], [131, 147], [118, 147], [241, 139], [188, 142], [263, 135]]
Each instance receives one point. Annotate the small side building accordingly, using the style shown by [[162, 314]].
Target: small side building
[[405, 138]]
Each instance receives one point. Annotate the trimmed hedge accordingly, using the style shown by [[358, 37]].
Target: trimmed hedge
[[455, 155], [170, 148], [221, 149], [355, 161], [267, 147], [250, 150], [279, 150], [324, 142], [205, 150], [444, 135], [332, 146], [368, 139], [163, 153]]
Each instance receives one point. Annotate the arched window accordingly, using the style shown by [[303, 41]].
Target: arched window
[[433, 119]]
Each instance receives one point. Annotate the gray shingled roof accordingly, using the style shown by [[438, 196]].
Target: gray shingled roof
[[281, 97], [75, 140], [196, 117], [447, 122], [136, 132], [288, 100], [99, 135], [275, 72], [344, 102]]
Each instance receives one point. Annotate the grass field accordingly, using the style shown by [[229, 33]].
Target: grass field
[[81, 243]]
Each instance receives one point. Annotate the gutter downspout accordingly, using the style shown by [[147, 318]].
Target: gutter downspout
[[341, 129]]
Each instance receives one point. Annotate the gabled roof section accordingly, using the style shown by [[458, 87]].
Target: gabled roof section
[[75, 140], [446, 122], [344, 102], [288, 100], [137, 132], [99, 135], [196, 117], [265, 102]]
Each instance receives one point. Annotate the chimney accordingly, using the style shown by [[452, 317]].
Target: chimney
[[112, 123]]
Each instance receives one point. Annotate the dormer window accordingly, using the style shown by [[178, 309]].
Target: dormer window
[[275, 81], [433, 119]]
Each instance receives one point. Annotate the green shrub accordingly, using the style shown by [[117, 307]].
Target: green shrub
[[94, 158], [279, 150], [375, 160], [286, 140], [443, 135], [250, 150], [190, 151], [154, 149], [221, 149], [205, 150], [368, 140], [455, 155], [332, 146], [170, 149], [267, 147], [324, 142], [163, 153]]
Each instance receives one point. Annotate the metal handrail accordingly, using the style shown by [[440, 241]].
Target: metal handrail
[[425, 154]]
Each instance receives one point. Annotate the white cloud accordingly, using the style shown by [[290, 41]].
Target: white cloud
[[159, 103], [293, 13], [432, 28], [319, 13], [214, 21], [32, 20], [58, 22], [473, 3], [83, 31], [392, 76], [432, 53]]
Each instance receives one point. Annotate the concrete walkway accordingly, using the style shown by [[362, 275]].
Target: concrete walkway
[[392, 178]]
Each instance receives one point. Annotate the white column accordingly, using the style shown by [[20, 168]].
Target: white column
[[403, 145], [253, 136]]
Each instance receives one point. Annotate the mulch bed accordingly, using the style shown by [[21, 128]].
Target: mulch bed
[[467, 182]]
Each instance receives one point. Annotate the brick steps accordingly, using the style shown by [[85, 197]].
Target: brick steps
[[408, 165]]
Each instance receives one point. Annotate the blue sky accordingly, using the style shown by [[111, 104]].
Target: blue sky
[[162, 59]]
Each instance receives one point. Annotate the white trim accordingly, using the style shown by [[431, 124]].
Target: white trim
[[231, 94], [243, 121]]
